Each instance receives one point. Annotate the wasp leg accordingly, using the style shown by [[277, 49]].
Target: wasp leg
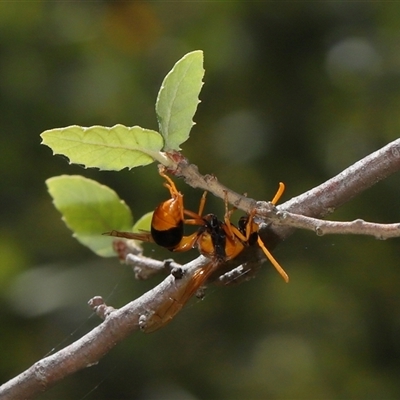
[[187, 243], [279, 193], [273, 261], [227, 217]]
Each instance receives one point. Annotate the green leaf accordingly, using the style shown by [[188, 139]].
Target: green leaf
[[143, 223], [89, 209], [178, 98], [112, 148]]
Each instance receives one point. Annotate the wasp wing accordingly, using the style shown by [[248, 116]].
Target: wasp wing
[[142, 236]]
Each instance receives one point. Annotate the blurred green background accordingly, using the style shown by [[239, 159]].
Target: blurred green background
[[294, 92]]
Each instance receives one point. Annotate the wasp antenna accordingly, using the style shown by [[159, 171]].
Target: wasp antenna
[[273, 261], [279, 193]]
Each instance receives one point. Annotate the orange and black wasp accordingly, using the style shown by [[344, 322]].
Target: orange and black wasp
[[215, 239], [220, 241]]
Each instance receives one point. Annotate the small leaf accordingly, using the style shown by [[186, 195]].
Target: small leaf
[[178, 98], [89, 209], [143, 223], [112, 148]]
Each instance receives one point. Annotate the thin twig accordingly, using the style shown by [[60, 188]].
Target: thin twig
[[146, 267], [324, 227]]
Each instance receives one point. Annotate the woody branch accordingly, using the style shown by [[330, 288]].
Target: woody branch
[[317, 202], [118, 324]]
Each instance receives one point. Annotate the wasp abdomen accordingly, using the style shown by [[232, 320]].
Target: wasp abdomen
[[168, 238]]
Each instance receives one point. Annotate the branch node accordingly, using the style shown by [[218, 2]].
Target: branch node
[[125, 247], [264, 209], [174, 268], [177, 272], [177, 158], [98, 305], [40, 374], [210, 178], [142, 322], [396, 151], [282, 215]]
